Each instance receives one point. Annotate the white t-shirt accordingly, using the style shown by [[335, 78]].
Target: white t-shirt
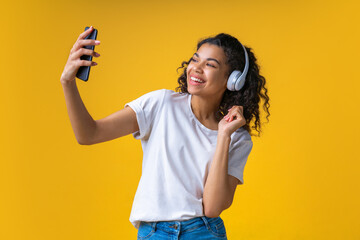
[[177, 153]]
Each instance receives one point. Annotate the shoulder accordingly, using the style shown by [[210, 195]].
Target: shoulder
[[156, 93], [157, 99], [241, 137], [241, 134], [161, 96], [171, 96], [152, 96], [172, 93], [165, 93]]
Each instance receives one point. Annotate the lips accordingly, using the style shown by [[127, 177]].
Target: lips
[[197, 77], [195, 82]]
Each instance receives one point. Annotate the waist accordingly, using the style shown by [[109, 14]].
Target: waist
[[183, 226]]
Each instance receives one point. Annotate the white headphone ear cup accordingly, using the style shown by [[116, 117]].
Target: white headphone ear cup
[[237, 79], [239, 83], [231, 83]]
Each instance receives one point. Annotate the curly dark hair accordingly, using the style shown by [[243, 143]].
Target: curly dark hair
[[253, 89]]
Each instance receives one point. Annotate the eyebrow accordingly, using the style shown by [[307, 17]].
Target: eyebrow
[[213, 59]]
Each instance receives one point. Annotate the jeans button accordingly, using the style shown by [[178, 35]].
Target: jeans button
[[174, 226]]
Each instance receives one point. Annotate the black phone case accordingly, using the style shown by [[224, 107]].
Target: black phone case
[[84, 71]]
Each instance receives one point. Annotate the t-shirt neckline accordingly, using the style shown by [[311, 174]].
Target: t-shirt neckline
[[197, 121]]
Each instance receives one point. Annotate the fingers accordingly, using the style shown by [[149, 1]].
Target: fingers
[[239, 108], [78, 50], [85, 33], [79, 62], [235, 112], [75, 57], [84, 51], [84, 42], [85, 63]]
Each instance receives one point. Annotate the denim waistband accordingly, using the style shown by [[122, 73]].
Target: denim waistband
[[183, 226]]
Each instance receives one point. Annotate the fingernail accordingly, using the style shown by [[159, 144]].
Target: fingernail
[[97, 42]]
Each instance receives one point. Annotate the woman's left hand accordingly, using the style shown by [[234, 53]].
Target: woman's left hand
[[232, 121]]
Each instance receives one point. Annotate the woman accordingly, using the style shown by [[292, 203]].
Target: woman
[[195, 141]]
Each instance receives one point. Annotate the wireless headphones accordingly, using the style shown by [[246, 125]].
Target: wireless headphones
[[237, 79]]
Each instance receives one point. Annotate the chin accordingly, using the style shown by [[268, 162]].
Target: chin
[[192, 90]]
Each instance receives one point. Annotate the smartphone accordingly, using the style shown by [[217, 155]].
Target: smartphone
[[84, 71]]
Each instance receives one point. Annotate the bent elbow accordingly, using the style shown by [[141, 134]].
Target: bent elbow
[[83, 142], [211, 213]]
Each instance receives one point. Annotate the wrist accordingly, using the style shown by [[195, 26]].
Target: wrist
[[66, 82], [224, 136]]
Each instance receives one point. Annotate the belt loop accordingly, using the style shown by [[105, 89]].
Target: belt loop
[[206, 222], [154, 226]]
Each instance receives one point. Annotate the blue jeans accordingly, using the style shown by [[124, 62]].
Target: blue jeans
[[199, 228]]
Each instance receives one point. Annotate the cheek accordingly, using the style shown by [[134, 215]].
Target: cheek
[[221, 81], [220, 78], [188, 68], [187, 71]]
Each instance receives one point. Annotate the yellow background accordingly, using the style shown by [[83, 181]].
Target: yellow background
[[302, 176]]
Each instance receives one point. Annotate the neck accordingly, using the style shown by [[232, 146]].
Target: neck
[[205, 109]]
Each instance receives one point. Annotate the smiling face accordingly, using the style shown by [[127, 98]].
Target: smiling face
[[209, 66]]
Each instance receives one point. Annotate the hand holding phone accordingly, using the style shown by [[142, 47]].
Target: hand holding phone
[[75, 60], [84, 71]]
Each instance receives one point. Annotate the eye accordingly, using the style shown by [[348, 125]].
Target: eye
[[192, 59]]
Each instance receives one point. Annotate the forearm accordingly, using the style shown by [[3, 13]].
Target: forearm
[[217, 186], [82, 123]]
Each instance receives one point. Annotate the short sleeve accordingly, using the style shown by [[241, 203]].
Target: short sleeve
[[146, 107], [238, 156]]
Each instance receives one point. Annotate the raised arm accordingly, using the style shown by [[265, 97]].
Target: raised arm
[[87, 131], [118, 124], [219, 189]]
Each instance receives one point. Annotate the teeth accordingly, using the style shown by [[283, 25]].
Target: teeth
[[196, 80]]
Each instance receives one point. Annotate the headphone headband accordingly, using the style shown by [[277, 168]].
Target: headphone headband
[[237, 78]]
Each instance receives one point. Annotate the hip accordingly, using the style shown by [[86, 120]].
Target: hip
[[199, 228]]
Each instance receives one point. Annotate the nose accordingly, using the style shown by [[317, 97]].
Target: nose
[[197, 67]]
